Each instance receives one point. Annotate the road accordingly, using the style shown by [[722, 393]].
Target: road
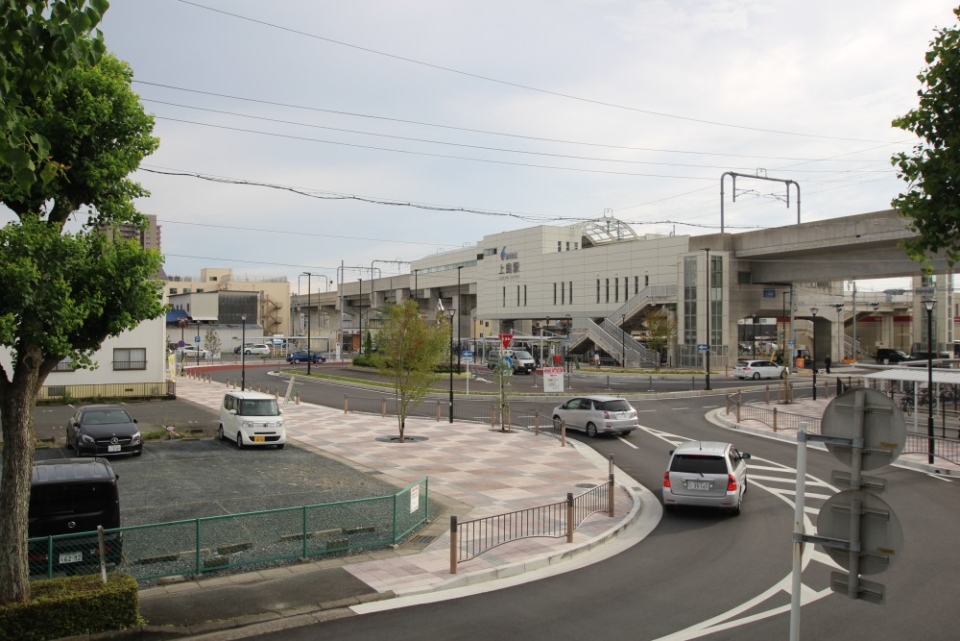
[[702, 574]]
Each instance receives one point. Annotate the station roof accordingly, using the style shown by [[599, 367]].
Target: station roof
[[941, 376]]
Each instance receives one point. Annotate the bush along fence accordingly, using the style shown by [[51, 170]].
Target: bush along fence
[[196, 546], [917, 442], [470, 539]]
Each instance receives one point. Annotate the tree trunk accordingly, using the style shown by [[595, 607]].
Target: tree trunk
[[18, 401]]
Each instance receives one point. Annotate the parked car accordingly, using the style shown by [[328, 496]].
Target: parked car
[[104, 430], [922, 356], [251, 418], [71, 497], [597, 415], [301, 357], [886, 356], [257, 348], [759, 369], [190, 351], [236, 350], [705, 474], [523, 362]]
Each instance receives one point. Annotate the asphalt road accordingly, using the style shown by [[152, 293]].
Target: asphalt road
[[706, 575]]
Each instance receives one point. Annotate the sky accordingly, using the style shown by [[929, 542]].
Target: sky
[[387, 131]]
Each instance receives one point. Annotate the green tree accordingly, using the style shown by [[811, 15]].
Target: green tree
[[63, 292], [40, 42], [211, 342], [932, 172], [661, 331], [409, 348]]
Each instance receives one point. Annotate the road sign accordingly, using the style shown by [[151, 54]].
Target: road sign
[[881, 535], [883, 429], [790, 343], [180, 343], [701, 347], [505, 340], [196, 339], [466, 353]]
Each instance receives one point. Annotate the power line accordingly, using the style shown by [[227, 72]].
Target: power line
[[479, 147], [484, 131], [519, 85]]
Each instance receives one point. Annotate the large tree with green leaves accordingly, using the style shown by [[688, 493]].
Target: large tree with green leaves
[[409, 348], [40, 42], [661, 331], [64, 290], [932, 171]]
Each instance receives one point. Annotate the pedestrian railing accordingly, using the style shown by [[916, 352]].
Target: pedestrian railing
[[197, 546], [470, 539], [916, 443]]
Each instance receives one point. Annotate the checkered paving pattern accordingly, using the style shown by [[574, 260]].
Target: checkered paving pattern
[[491, 471]]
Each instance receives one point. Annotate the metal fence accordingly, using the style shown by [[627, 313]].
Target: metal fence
[[196, 546], [917, 442], [470, 539]]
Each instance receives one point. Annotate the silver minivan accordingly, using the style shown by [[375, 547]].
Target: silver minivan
[[705, 474], [597, 415], [251, 418]]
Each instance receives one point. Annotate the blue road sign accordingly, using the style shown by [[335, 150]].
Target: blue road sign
[[702, 347], [196, 339], [467, 353]]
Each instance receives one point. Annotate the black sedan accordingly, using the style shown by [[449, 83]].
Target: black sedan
[[104, 430], [301, 357]]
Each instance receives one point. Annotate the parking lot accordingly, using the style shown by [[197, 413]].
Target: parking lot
[[200, 476]]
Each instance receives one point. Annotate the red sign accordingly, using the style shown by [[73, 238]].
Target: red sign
[[505, 340]]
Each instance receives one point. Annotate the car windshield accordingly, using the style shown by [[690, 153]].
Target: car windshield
[[105, 417], [618, 405], [523, 355], [698, 464], [259, 407]]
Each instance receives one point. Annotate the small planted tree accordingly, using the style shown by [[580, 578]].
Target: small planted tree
[[661, 330], [211, 342], [409, 348]]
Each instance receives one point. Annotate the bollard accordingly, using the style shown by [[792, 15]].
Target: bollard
[[296, 399], [453, 545], [739, 403], [649, 383], [493, 416], [610, 491], [774, 420], [383, 407], [766, 394], [569, 517], [536, 423], [563, 433], [608, 381], [345, 405], [438, 411]]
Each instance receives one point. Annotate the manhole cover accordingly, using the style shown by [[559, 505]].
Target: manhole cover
[[406, 439]]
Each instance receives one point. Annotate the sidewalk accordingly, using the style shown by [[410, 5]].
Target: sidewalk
[[474, 470]]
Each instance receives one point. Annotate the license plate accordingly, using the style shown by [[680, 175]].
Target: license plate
[[113, 448], [259, 439], [699, 485], [71, 557]]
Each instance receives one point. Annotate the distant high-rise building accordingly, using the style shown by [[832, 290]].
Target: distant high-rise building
[[148, 238]]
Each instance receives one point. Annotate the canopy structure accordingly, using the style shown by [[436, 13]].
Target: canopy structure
[[941, 376]]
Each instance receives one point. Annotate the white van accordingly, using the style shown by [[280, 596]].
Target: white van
[[523, 362], [251, 418]]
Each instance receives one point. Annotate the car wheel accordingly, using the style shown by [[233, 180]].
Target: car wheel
[[736, 510], [756, 376], [591, 430], [557, 423], [280, 446], [239, 441], [783, 373], [624, 433], [220, 436]]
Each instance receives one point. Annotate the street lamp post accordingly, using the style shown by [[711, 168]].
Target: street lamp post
[[452, 314], [243, 360], [308, 275], [753, 339], [198, 343], [839, 308], [707, 363], [929, 304], [360, 303], [623, 341], [459, 267], [814, 310]]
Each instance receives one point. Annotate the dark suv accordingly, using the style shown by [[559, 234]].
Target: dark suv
[[886, 356], [69, 498]]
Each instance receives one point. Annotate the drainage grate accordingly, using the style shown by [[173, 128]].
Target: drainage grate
[[422, 541]]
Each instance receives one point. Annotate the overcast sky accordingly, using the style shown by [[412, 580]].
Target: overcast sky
[[523, 112]]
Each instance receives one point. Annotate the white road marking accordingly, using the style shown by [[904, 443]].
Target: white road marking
[[623, 440]]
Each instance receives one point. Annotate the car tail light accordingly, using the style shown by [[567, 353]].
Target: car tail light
[[606, 414], [666, 479], [731, 483]]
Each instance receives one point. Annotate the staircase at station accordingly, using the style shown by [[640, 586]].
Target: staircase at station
[[608, 335]]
